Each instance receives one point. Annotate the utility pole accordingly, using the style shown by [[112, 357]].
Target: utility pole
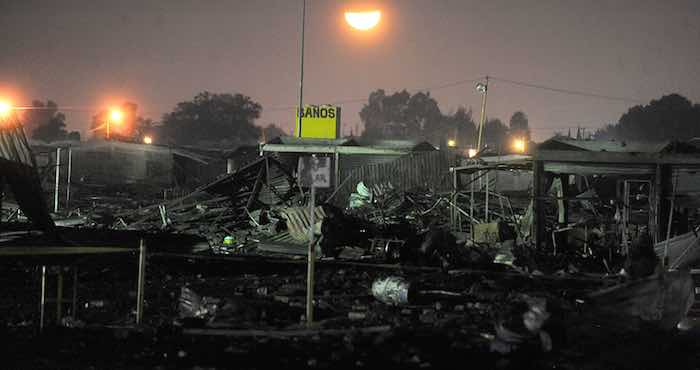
[[301, 74], [484, 89]]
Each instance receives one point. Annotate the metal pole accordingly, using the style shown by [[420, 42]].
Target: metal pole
[[230, 166], [670, 222], [70, 168], [58, 179], [141, 281], [74, 306], [311, 262], [471, 200], [483, 114], [43, 298], [59, 296], [301, 75], [486, 217]]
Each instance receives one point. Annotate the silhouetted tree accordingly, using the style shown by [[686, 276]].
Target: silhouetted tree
[[270, 132], [461, 127], [402, 116], [519, 126], [46, 123], [213, 118], [670, 117], [495, 133]]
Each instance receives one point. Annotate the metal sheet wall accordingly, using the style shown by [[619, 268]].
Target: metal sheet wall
[[425, 169]]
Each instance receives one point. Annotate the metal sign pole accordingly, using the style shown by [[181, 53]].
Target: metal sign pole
[[141, 282], [58, 179], [70, 168], [43, 298], [311, 261]]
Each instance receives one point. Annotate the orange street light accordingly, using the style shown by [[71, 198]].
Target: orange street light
[[363, 21], [115, 116], [519, 145], [5, 109]]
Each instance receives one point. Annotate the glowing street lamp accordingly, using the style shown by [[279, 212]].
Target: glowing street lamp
[[363, 21], [5, 109], [472, 152], [451, 143], [147, 140], [519, 145], [116, 116]]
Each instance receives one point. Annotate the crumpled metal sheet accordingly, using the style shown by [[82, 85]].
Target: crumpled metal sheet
[[18, 167], [391, 290], [299, 219]]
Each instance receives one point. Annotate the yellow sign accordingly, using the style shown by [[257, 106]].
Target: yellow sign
[[318, 122]]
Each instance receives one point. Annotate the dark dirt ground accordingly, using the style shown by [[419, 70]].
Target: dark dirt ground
[[431, 334]]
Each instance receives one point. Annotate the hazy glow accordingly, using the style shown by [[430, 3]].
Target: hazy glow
[[147, 140], [451, 143], [519, 145], [5, 109], [472, 152], [363, 20], [116, 116]]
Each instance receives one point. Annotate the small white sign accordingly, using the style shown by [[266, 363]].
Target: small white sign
[[315, 171]]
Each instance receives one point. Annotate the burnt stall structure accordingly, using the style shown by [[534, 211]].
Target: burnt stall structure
[[631, 189], [490, 189]]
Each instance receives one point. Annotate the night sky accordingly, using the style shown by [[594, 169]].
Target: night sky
[[91, 54]]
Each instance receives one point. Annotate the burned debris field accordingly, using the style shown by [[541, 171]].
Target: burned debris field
[[336, 184], [405, 272]]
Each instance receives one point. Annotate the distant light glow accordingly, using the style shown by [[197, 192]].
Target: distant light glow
[[363, 21], [147, 140], [519, 145], [472, 152], [451, 143], [116, 115], [5, 109]]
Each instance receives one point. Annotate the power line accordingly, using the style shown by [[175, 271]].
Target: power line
[[362, 100], [567, 91]]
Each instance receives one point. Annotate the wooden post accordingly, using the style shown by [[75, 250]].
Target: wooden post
[[311, 261], [42, 298], [141, 282]]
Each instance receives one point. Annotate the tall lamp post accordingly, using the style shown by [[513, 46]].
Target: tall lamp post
[[484, 90], [301, 74]]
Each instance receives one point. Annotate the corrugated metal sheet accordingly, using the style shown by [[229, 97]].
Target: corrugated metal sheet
[[299, 220], [13, 143], [18, 167], [598, 168], [428, 169]]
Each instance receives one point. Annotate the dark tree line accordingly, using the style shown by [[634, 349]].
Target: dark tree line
[[402, 115], [672, 117], [45, 122]]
